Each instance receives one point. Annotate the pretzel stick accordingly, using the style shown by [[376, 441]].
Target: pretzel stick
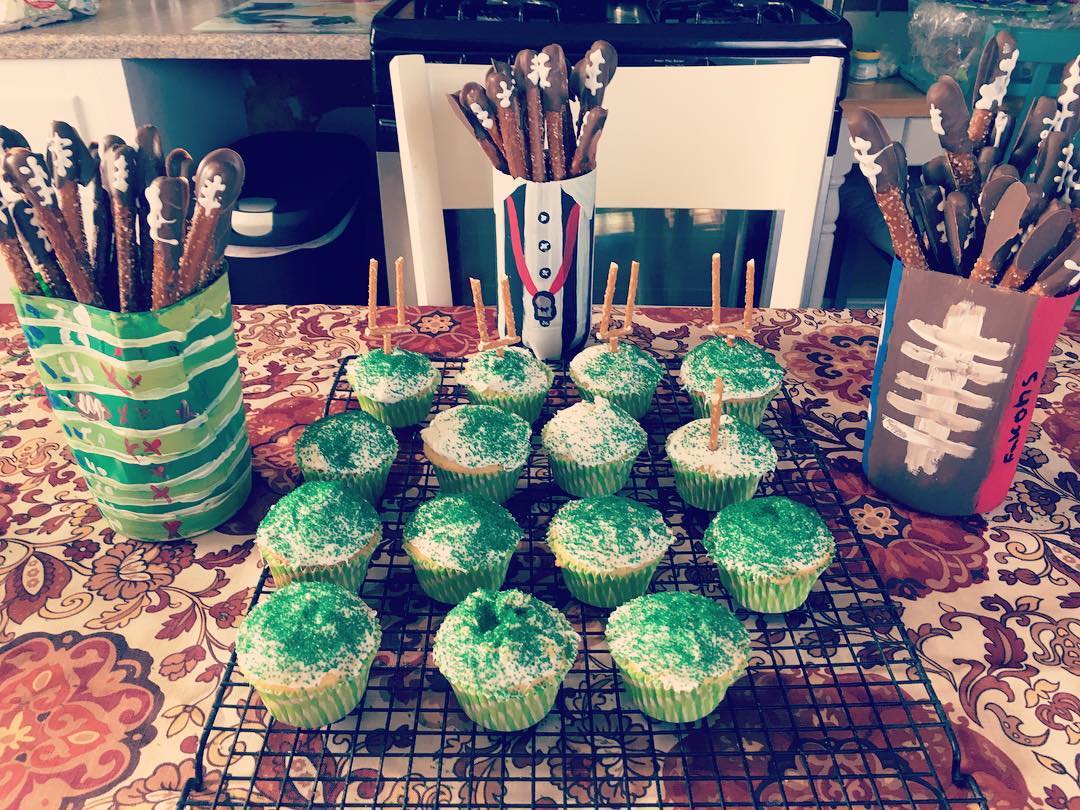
[[37, 247], [609, 295], [13, 257], [715, 290], [748, 303], [715, 412], [740, 328], [507, 305], [511, 337], [478, 307], [373, 328], [372, 295]]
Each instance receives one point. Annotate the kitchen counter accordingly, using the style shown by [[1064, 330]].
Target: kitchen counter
[[161, 29]]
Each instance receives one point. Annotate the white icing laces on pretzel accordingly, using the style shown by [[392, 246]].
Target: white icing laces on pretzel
[[866, 159], [539, 70], [482, 115], [935, 120], [154, 217], [993, 92], [210, 193], [1001, 121], [38, 180], [1067, 100], [118, 172], [505, 93], [592, 71], [61, 153]]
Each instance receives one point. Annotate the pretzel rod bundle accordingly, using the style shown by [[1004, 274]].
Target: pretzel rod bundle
[[741, 328], [605, 332], [506, 305], [111, 225], [1009, 217], [523, 116], [386, 332]]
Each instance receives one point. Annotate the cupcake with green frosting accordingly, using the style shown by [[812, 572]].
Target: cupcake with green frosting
[[592, 447], [713, 479], [321, 531], [505, 653], [307, 650], [515, 382], [677, 652], [352, 447], [477, 449], [608, 548], [626, 377], [770, 552], [751, 378], [460, 543], [396, 388]]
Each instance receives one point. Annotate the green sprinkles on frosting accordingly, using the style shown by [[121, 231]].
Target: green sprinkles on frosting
[[349, 442], [304, 631], [500, 644], [516, 372], [461, 532], [772, 536], [477, 436], [318, 523], [741, 450], [594, 433], [748, 371], [391, 377], [677, 639], [628, 370], [601, 535]]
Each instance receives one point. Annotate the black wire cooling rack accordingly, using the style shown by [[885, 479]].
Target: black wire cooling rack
[[835, 711]]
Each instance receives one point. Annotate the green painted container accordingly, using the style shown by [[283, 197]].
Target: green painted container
[[151, 405]]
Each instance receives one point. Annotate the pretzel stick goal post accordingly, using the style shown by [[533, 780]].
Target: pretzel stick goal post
[[605, 332], [741, 328], [373, 328], [715, 412], [505, 302]]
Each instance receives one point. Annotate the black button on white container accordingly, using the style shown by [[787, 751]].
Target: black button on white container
[[544, 217], [545, 272], [544, 246]]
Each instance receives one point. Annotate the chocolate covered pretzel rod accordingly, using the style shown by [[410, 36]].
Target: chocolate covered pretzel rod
[[1067, 115], [502, 92], [591, 130], [166, 217], [120, 168], [476, 127], [13, 257], [591, 76], [1038, 248], [151, 164], [39, 250], [1037, 122], [217, 187], [11, 139], [936, 172], [179, 163], [884, 165], [991, 155], [959, 221], [29, 174], [1062, 274], [554, 97], [927, 206], [999, 58], [1051, 162], [67, 155], [949, 118], [531, 71], [103, 256], [1002, 229]]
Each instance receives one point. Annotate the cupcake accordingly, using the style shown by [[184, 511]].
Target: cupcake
[[505, 653], [626, 377], [459, 543], [713, 479], [592, 447], [477, 449], [351, 447], [608, 548], [396, 388], [770, 552], [307, 650], [751, 378], [516, 382], [320, 531], [677, 652]]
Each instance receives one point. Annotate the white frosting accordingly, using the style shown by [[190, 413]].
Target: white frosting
[[61, 153], [38, 179], [592, 71], [482, 115], [154, 217], [538, 375], [1001, 120], [993, 93], [118, 172], [210, 193], [583, 433], [734, 453], [540, 69], [935, 120], [505, 94], [867, 160], [1069, 84]]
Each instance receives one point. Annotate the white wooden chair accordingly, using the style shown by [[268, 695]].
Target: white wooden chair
[[739, 137]]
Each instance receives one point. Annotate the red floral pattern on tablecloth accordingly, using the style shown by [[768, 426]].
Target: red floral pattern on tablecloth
[[138, 634]]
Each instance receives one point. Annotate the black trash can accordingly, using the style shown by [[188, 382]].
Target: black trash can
[[298, 231]]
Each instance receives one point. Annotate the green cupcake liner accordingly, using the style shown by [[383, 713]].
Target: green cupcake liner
[[713, 492], [673, 706], [751, 410], [768, 596], [453, 586], [498, 486], [606, 590], [369, 486], [316, 707], [527, 407], [411, 411], [636, 404], [509, 714], [348, 574], [590, 480]]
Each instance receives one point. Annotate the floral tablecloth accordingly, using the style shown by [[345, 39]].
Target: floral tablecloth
[[111, 650]]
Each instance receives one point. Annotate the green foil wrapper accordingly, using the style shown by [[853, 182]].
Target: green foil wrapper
[[713, 492], [315, 708], [588, 480], [510, 714]]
